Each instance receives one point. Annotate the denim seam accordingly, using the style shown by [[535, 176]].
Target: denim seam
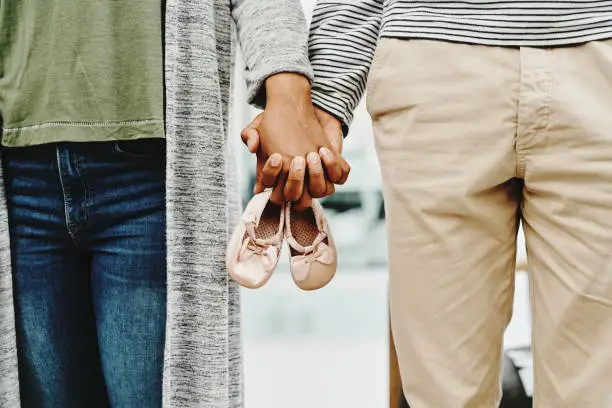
[[66, 209], [85, 189]]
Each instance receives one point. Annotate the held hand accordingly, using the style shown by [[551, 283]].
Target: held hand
[[318, 184], [283, 136], [269, 169]]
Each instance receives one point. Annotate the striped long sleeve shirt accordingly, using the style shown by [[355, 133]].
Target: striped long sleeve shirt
[[344, 34]]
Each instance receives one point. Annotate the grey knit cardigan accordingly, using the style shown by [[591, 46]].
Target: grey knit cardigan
[[203, 355]]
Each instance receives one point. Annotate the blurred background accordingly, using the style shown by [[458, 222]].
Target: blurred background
[[330, 348]]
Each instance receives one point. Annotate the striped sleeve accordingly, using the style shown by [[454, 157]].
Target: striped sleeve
[[343, 38]]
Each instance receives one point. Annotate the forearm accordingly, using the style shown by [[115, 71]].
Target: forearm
[[343, 39], [273, 39]]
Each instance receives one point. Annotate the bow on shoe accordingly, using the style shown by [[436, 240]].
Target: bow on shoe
[[301, 264], [267, 253]]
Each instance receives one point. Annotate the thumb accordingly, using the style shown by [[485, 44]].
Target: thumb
[[334, 137], [336, 141], [250, 135], [331, 127]]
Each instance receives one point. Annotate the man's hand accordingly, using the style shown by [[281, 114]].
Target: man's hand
[[286, 135]]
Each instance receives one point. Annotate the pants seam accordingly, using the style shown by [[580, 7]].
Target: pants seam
[[541, 124], [85, 190], [68, 222], [518, 145]]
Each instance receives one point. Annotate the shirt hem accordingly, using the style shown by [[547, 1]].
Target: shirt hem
[[56, 132]]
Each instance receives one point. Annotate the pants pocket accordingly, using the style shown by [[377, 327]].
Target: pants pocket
[[141, 148]]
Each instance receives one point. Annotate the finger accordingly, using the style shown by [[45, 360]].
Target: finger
[[332, 167], [295, 180], [271, 170], [346, 170], [304, 202], [330, 188], [258, 175], [316, 175], [278, 193], [278, 196]]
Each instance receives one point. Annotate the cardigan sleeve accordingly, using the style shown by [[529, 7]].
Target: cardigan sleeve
[[343, 39], [273, 38]]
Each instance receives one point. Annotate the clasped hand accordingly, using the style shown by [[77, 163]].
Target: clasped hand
[[298, 146]]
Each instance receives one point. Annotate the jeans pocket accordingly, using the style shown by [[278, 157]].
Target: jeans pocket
[[141, 148]]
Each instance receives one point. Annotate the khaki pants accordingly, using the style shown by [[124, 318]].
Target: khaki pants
[[472, 139]]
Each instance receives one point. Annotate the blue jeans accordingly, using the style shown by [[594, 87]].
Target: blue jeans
[[87, 226]]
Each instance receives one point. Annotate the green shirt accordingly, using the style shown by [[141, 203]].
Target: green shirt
[[80, 70]]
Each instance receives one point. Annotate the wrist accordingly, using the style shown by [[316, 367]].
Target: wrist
[[286, 88], [327, 119]]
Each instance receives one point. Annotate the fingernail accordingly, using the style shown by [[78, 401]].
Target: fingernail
[[297, 164], [324, 151], [313, 158], [275, 160]]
